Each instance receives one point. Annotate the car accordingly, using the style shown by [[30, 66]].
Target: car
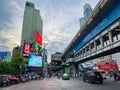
[[4, 81], [13, 80], [103, 74], [93, 77], [117, 76], [65, 77]]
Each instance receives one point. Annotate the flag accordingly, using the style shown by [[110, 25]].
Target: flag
[[38, 38]]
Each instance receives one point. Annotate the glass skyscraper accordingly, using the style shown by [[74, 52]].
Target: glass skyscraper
[[81, 21], [87, 12], [31, 22]]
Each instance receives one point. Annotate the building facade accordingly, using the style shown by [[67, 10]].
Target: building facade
[[56, 61], [87, 12], [81, 20], [5, 56], [56, 57], [32, 22], [16, 50]]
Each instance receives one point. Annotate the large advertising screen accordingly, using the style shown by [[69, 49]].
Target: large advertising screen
[[35, 61], [29, 48]]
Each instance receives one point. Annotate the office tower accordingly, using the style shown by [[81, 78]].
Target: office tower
[[32, 22], [81, 21], [87, 11]]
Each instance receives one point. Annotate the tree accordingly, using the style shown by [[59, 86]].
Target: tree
[[4, 68], [16, 66]]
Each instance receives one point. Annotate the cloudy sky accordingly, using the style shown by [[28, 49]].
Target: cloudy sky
[[60, 22]]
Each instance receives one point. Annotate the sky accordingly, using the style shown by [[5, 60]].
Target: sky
[[60, 22]]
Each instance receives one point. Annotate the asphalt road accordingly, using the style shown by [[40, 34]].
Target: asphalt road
[[59, 84]]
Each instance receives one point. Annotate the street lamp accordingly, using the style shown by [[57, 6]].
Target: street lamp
[[45, 59]]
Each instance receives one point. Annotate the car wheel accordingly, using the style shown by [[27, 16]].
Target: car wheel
[[8, 84], [91, 81], [4, 84], [101, 82], [13, 82], [84, 80]]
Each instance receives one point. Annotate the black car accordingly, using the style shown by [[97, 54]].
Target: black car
[[4, 81], [93, 77]]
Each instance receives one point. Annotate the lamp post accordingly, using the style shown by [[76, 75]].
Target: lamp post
[[45, 59]]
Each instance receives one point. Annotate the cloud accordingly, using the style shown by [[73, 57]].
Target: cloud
[[10, 25], [60, 22]]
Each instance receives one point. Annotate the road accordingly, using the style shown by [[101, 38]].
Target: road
[[59, 84]]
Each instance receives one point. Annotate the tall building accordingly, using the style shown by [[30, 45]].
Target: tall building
[[87, 12], [56, 61], [81, 20], [32, 22], [16, 50], [56, 58]]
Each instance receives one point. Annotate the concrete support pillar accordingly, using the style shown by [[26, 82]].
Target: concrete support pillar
[[85, 50], [101, 42], [82, 53], [74, 56], [95, 47], [89, 48], [110, 37], [76, 70]]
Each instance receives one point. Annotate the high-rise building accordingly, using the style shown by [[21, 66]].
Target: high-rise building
[[16, 50], [81, 20], [32, 22], [87, 12]]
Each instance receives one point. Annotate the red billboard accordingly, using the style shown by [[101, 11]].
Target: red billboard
[[38, 38], [107, 65]]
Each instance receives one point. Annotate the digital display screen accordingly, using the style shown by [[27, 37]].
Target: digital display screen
[[35, 61]]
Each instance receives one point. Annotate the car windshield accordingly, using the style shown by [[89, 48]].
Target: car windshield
[[97, 74]]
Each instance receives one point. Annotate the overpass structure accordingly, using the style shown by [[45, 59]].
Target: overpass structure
[[99, 36]]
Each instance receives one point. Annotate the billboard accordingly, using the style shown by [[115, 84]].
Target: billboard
[[34, 61], [29, 48], [107, 65], [4, 55], [26, 49], [38, 38]]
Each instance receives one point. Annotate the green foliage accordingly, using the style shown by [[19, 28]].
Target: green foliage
[[4, 67], [16, 66]]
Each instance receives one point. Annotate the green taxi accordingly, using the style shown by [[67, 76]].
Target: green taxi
[[65, 77]]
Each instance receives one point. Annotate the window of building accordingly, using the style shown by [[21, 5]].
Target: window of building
[[105, 40], [116, 34], [98, 46]]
